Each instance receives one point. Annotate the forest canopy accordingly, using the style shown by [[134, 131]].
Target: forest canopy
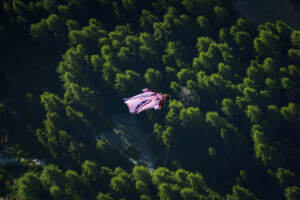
[[230, 130]]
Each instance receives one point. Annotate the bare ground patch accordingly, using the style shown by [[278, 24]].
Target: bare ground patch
[[126, 134]]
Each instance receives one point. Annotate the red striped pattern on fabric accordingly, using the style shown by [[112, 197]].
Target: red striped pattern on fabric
[[147, 100]]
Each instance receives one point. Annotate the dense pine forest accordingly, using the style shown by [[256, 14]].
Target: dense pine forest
[[230, 131]]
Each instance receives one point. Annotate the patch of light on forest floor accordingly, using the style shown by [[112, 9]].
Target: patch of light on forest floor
[[126, 133]]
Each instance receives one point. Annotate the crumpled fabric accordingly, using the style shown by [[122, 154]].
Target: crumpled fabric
[[144, 101]]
